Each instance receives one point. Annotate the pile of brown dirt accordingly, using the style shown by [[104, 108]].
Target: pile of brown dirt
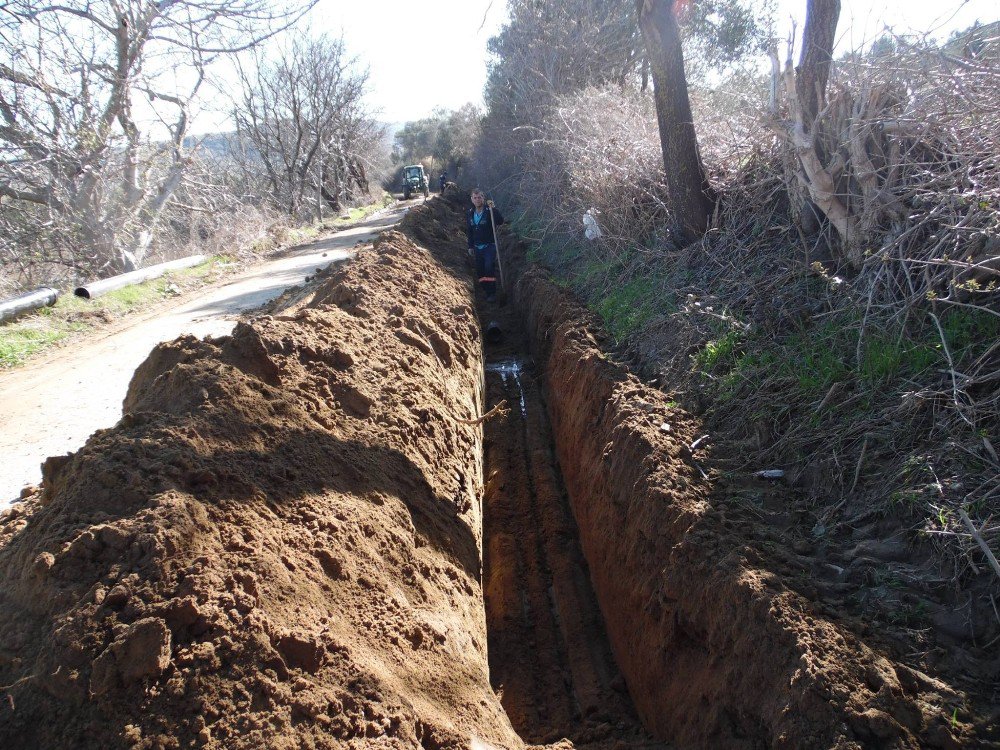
[[277, 546]]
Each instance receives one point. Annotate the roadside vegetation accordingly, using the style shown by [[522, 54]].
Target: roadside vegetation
[[91, 188], [72, 316], [442, 142]]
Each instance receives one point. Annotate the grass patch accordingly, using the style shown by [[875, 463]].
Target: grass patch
[[969, 331], [816, 358], [19, 344], [361, 212], [628, 308], [24, 338], [884, 359], [717, 352]]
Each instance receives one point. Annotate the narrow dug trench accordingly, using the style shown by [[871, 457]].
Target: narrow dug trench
[[549, 656], [303, 536]]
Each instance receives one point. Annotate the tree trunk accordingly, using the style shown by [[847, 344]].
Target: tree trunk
[[689, 191], [818, 38]]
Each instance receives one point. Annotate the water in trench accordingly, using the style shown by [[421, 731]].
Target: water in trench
[[549, 657]]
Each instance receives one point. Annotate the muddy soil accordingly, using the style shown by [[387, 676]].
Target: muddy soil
[[550, 659], [717, 645]]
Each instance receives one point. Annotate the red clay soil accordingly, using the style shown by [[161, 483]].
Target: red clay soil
[[550, 660], [278, 546], [717, 651]]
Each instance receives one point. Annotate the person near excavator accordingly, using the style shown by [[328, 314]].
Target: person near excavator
[[481, 222]]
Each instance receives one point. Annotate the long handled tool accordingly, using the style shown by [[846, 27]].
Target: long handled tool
[[502, 291]]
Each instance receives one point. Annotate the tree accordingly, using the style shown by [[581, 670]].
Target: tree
[[546, 50], [308, 131], [415, 142], [805, 87], [82, 78], [818, 38], [443, 141], [457, 138], [551, 49], [687, 185]]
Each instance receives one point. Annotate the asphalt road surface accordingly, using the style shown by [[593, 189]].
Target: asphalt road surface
[[50, 407]]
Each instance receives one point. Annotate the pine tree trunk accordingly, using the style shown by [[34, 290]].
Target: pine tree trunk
[[689, 191]]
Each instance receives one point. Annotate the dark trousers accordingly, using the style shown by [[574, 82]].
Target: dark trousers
[[486, 261]]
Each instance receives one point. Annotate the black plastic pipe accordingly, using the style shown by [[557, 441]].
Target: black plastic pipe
[[42, 297]]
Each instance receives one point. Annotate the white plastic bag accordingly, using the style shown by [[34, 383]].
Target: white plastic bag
[[590, 229]]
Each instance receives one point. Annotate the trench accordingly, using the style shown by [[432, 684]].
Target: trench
[[549, 656], [627, 602], [280, 546]]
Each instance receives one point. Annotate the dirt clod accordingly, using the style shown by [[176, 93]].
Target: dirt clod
[[142, 651]]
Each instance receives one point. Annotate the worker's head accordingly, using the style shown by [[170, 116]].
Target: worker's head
[[478, 198]]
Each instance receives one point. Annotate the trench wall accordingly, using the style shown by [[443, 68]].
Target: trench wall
[[715, 650]]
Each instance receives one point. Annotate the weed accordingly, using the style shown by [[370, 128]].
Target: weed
[[18, 344], [626, 309], [885, 358], [717, 352], [969, 331], [905, 498]]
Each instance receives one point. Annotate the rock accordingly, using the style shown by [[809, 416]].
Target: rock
[[112, 537], [802, 547], [43, 564], [939, 736], [953, 622], [181, 613], [332, 566], [118, 595], [145, 651]]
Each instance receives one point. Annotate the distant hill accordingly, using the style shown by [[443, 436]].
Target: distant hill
[[215, 144]]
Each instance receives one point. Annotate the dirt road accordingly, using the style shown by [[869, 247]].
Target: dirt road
[[50, 407]]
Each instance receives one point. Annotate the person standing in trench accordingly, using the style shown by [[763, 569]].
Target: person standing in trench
[[481, 222]]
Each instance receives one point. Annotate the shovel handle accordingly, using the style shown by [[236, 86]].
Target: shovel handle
[[496, 244]]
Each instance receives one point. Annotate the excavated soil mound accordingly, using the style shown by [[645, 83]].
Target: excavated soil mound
[[278, 546]]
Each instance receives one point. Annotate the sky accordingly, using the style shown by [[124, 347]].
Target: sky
[[421, 54], [863, 21], [425, 54]]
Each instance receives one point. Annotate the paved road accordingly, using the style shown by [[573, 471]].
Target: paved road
[[51, 407]]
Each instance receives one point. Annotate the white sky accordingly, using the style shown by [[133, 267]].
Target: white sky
[[421, 54], [863, 21], [424, 54]]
